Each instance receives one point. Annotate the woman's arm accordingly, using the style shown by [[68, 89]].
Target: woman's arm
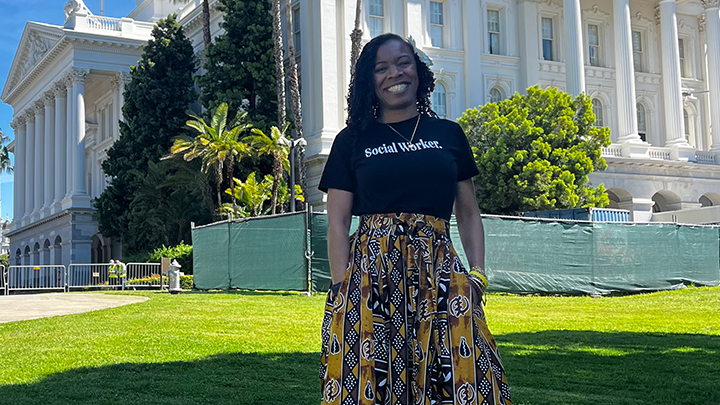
[[469, 223], [470, 226], [339, 208]]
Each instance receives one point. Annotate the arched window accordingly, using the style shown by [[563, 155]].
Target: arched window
[[597, 107], [496, 95], [439, 100], [642, 122]]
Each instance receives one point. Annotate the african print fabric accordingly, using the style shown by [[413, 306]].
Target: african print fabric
[[403, 328]]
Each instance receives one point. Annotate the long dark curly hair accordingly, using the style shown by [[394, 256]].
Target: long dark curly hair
[[362, 101]]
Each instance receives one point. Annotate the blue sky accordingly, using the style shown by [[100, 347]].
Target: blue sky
[[15, 14]]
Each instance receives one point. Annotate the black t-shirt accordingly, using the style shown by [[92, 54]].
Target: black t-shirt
[[386, 175]]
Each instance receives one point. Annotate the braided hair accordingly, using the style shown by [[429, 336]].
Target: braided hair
[[362, 100]]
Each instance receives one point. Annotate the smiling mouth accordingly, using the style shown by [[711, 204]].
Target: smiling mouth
[[397, 88]]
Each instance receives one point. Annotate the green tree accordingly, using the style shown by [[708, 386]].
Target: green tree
[[156, 98], [535, 152], [169, 197], [218, 145], [5, 165], [252, 195], [239, 64], [275, 145]]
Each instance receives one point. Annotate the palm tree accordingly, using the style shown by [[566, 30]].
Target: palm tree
[[275, 145], [279, 60], [5, 165], [217, 144], [355, 37], [205, 18], [252, 194]]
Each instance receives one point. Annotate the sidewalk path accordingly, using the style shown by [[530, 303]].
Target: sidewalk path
[[23, 307]]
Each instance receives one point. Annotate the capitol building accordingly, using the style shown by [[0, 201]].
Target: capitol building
[[650, 67]]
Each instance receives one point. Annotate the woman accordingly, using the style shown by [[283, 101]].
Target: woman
[[403, 321]]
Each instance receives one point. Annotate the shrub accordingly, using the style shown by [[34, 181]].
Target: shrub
[[535, 152], [186, 282], [137, 258], [182, 253]]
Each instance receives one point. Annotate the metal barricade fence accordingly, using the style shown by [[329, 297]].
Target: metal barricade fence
[[3, 279], [97, 275], [145, 275], [34, 278]]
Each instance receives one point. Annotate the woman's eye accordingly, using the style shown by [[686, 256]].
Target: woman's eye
[[405, 63], [380, 70]]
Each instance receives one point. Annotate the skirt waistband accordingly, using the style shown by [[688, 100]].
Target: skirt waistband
[[427, 223]]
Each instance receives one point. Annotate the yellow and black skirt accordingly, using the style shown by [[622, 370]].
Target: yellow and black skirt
[[403, 328]]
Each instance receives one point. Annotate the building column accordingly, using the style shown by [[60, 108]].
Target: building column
[[712, 25], [69, 150], [78, 193], [48, 154], [671, 84], [574, 56], [29, 165], [475, 93], [529, 46], [60, 90], [38, 162], [19, 170], [624, 73]]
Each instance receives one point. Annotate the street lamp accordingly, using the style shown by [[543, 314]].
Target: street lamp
[[292, 144]]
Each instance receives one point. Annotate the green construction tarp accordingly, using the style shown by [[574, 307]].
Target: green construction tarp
[[522, 255], [266, 253]]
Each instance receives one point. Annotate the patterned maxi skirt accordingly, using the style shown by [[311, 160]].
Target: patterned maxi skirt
[[403, 328]]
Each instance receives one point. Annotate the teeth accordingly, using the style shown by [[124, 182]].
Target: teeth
[[397, 88]]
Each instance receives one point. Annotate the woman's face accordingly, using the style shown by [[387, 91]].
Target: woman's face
[[395, 76]]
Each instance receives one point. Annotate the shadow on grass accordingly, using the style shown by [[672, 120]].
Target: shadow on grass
[[586, 367], [551, 367], [282, 378]]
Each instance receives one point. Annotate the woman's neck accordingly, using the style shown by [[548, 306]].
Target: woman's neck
[[389, 116]]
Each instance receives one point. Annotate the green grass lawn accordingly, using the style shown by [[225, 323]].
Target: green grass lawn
[[252, 348]]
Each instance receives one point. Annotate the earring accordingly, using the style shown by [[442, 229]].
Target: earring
[[375, 110]]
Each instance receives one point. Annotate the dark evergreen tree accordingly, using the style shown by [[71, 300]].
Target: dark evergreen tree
[[240, 64], [159, 92]]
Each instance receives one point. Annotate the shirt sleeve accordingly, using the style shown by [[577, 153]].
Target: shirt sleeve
[[338, 171], [465, 161]]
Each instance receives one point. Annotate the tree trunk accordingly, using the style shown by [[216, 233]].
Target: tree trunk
[[230, 169], [218, 180], [279, 60], [277, 173], [296, 101], [355, 38], [206, 22]]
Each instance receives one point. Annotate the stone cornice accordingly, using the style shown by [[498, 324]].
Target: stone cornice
[[96, 43]]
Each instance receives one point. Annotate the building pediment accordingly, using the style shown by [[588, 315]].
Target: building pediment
[[35, 44]]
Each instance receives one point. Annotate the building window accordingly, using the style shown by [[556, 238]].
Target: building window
[[637, 51], [296, 29], [375, 20], [642, 122], [594, 45], [597, 107], [686, 121], [681, 48], [436, 24], [439, 100], [496, 95], [494, 31], [547, 38]]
